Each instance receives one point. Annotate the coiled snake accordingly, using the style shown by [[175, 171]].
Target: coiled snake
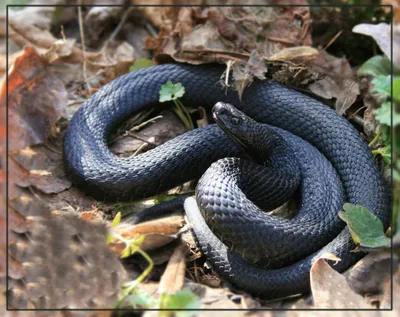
[[335, 166]]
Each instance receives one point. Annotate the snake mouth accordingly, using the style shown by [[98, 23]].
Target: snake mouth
[[218, 111]]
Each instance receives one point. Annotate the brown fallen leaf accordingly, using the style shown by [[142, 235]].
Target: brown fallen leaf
[[293, 53], [29, 80], [31, 25], [174, 275], [105, 65], [214, 34], [243, 74], [330, 289], [379, 32], [333, 77], [157, 233], [16, 221], [63, 264], [41, 168], [164, 128], [213, 298], [228, 30], [370, 274], [390, 297]]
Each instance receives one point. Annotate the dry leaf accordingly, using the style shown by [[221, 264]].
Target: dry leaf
[[65, 253], [174, 275], [213, 298], [157, 233], [379, 32], [243, 74], [162, 130], [292, 53], [370, 274], [213, 34], [41, 168], [106, 65], [333, 78], [36, 98], [330, 289]]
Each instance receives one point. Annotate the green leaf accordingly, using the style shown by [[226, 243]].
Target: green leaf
[[396, 175], [385, 136], [183, 299], [366, 229], [141, 63], [140, 299], [396, 89], [381, 85], [126, 253], [116, 220], [383, 115], [171, 91], [375, 66]]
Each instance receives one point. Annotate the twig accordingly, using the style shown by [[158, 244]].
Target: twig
[[151, 30], [80, 19], [117, 29], [141, 125], [332, 40], [138, 150], [127, 133], [358, 110], [75, 102], [279, 40], [136, 128]]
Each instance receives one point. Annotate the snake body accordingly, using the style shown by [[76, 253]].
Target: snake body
[[336, 166]]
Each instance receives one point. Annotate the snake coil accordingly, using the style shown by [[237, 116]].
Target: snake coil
[[311, 127]]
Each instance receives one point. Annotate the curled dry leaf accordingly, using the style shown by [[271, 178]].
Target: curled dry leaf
[[31, 26], [165, 128], [157, 233], [333, 77], [371, 274], [213, 34], [109, 63], [77, 260], [213, 298], [36, 98], [379, 32], [174, 275], [41, 168], [243, 74], [330, 289], [293, 53]]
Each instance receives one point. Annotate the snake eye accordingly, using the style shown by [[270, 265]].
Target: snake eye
[[222, 111], [236, 120]]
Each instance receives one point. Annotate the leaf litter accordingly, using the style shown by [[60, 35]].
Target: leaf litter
[[256, 41]]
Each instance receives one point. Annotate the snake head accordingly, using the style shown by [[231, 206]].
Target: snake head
[[256, 139]]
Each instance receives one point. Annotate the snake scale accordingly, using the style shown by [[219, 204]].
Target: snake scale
[[335, 165]]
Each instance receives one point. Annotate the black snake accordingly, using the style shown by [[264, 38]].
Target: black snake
[[335, 166]]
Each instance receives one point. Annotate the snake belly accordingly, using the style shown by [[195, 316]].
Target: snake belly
[[104, 175]]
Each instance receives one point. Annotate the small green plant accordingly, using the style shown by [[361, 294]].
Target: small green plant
[[366, 229], [132, 246], [184, 299], [379, 67], [172, 92]]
